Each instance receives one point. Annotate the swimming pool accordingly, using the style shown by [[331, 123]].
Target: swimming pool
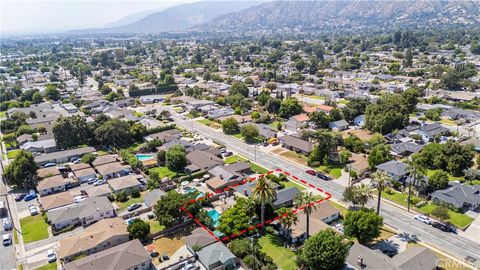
[[215, 216], [143, 157]]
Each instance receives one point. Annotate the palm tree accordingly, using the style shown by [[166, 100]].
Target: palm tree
[[287, 219], [264, 193], [380, 180], [362, 193], [306, 199], [416, 171]]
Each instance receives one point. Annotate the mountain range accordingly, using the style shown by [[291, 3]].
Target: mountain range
[[304, 15]]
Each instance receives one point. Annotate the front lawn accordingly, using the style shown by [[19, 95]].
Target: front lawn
[[316, 97], [332, 169], [209, 123], [295, 157], [233, 159], [34, 228], [13, 153], [163, 172], [290, 184], [50, 266], [458, 219], [283, 257]]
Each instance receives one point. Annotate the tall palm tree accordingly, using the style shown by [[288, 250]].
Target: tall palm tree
[[287, 219], [263, 194], [416, 171], [362, 193], [380, 180], [306, 199]]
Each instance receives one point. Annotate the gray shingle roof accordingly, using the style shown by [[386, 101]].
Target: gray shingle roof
[[83, 209], [459, 194], [393, 167]]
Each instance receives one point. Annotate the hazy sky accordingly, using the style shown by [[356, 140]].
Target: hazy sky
[[30, 16]]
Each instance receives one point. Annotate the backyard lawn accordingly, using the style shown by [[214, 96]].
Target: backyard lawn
[[458, 219], [13, 153], [50, 266], [155, 226], [34, 228], [163, 172], [123, 205], [283, 257]]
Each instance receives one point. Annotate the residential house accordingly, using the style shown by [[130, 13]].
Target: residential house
[[296, 144], [460, 196], [404, 149], [297, 122], [97, 191], [457, 114], [358, 163], [105, 159], [266, 131], [53, 184], [164, 136], [79, 166], [202, 160], [359, 121], [215, 114], [63, 156], [324, 213], [153, 196], [104, 234], [45, 146], [396, 169], [474, 142], [430, 131], [113, 170], [198, 239], [84, 175], [227, 176], [217, 256], [338, 125], [127, 183], [285, 197], [361, 257], [83, 213], [53, 201], [127, 256]]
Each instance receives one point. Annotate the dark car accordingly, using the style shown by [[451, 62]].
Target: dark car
[[311, 172], [322, 176], [444, 227], [30, 197], [20, 197], [227, 154]]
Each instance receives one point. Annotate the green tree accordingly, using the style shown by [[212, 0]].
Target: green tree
[[240, 247], [37, 98], [249, 132], [438, 180], [176, 158], [319, 118], [308, 200], [168, 209], [387, 114], [354, 144], [380, 180], [344, 156], [416, 172], [263, 193], [230, 126], [237, 218], [358, 195], [287, 219], [255, 115], [161, 157], [379, 154], [51, 92], [113, 132], [273, 105], [326, 250], [451, 80], [238, 88], [289, 107], [441, 213], [22, 171], [70, 131], [364, 225], [433, 114], [88, 158], [139, 229]]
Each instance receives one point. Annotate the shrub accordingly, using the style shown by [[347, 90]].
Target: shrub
[[389, 191], [122, 196], [136, 193], [420, 204]]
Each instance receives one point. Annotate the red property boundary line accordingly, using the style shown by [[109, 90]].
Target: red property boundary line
[[258, 225]]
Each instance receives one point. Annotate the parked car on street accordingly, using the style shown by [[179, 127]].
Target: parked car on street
[[7, 239], [423, 219], [444, 227], [20, 197], [51, 164], [311, 172], [7, 224], [92, 180]]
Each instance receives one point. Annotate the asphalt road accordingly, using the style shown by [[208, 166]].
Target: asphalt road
[[7, 254], [396, 217]]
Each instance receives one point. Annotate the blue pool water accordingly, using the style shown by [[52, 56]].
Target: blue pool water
[[215, 216], [201, 194], [143, 157]]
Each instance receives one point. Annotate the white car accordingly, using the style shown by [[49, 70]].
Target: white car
[[7, 239], [423, 219], [7, 224], [100, 182], [33, 210], [79, 198], [51, 257]]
